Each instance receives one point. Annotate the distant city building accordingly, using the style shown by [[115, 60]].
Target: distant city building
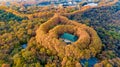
[[91, 4], [56, 3]]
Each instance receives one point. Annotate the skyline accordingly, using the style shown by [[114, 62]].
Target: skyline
[[40, 0]]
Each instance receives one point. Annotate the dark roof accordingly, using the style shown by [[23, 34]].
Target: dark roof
[[85, 3], [78, 0], [24, 46], [91, 62], [69, 37]]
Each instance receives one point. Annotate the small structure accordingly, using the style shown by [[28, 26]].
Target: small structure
[[90, 62], [68, 38], [91, 4], [24, 46], [83, 3]]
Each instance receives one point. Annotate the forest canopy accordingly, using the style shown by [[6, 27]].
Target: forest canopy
[[30, 35], [6, 16]]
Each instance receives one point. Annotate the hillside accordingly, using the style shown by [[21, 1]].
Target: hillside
[[105, 20], [87, 45]]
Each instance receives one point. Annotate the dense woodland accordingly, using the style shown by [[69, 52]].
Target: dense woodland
[[87, 45], [16, 30], [6, 16], [105, 20]]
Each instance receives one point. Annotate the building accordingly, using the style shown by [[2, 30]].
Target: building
[[92, 4], [68, 38]]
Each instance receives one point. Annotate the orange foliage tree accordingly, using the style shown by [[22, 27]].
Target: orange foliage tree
[[87, 45]]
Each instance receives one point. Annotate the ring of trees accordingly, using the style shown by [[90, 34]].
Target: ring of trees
[[87, 45]]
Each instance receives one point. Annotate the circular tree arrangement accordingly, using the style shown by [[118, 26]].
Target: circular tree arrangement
[[87, 45]]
